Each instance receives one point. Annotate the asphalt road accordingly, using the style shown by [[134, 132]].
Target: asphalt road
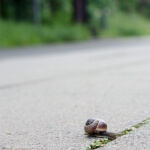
[[47, 93]]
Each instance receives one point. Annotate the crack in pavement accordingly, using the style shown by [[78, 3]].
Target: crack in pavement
[[103, 141], [30, 82]]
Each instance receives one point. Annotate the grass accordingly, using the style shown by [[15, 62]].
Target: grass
[[103, 141], [20, 34], [121, 24]]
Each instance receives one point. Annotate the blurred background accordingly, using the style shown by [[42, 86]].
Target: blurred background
[[30, 22]]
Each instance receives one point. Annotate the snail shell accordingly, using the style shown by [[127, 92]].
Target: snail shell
[[94, 125]]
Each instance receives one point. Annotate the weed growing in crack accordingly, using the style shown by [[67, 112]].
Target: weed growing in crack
[[103, 141]]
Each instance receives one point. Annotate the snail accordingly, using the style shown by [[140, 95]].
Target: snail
[[94, 125], [98, 127]]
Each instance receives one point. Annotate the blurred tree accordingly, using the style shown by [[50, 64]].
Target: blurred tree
[[0, 8], [80, 13], [61, 11], [7, 10], [128, 5], [144, 7], [97, 12], [56, 12], [36, 12], [46, 13], [23, 9], [16, 9]]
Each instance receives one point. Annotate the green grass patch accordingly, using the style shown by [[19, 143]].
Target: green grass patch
[[21, 34], [103, 141], [121, 24]]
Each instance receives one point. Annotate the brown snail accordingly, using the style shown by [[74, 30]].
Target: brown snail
[[98, 127], [94, 125]]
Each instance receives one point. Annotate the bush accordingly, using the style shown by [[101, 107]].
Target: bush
[[121, 24], [14, 34]]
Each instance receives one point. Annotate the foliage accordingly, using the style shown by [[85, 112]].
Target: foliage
[[121, 24], [56, 11], [98, 143], [16, 9], [128, 5], [105, 18], [52, 11], [21, 34], [95, 9]]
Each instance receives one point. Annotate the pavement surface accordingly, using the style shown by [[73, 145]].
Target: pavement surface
[[135, 140], [47, 93]]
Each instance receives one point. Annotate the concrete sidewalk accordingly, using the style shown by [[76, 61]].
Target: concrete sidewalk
[[135, 140], [46, 99]]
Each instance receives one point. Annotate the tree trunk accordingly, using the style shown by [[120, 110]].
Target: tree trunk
[[36, 12], [80, 14], [0, 8]]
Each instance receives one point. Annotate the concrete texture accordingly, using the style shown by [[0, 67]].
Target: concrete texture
[[46, 99], [136, 140]]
